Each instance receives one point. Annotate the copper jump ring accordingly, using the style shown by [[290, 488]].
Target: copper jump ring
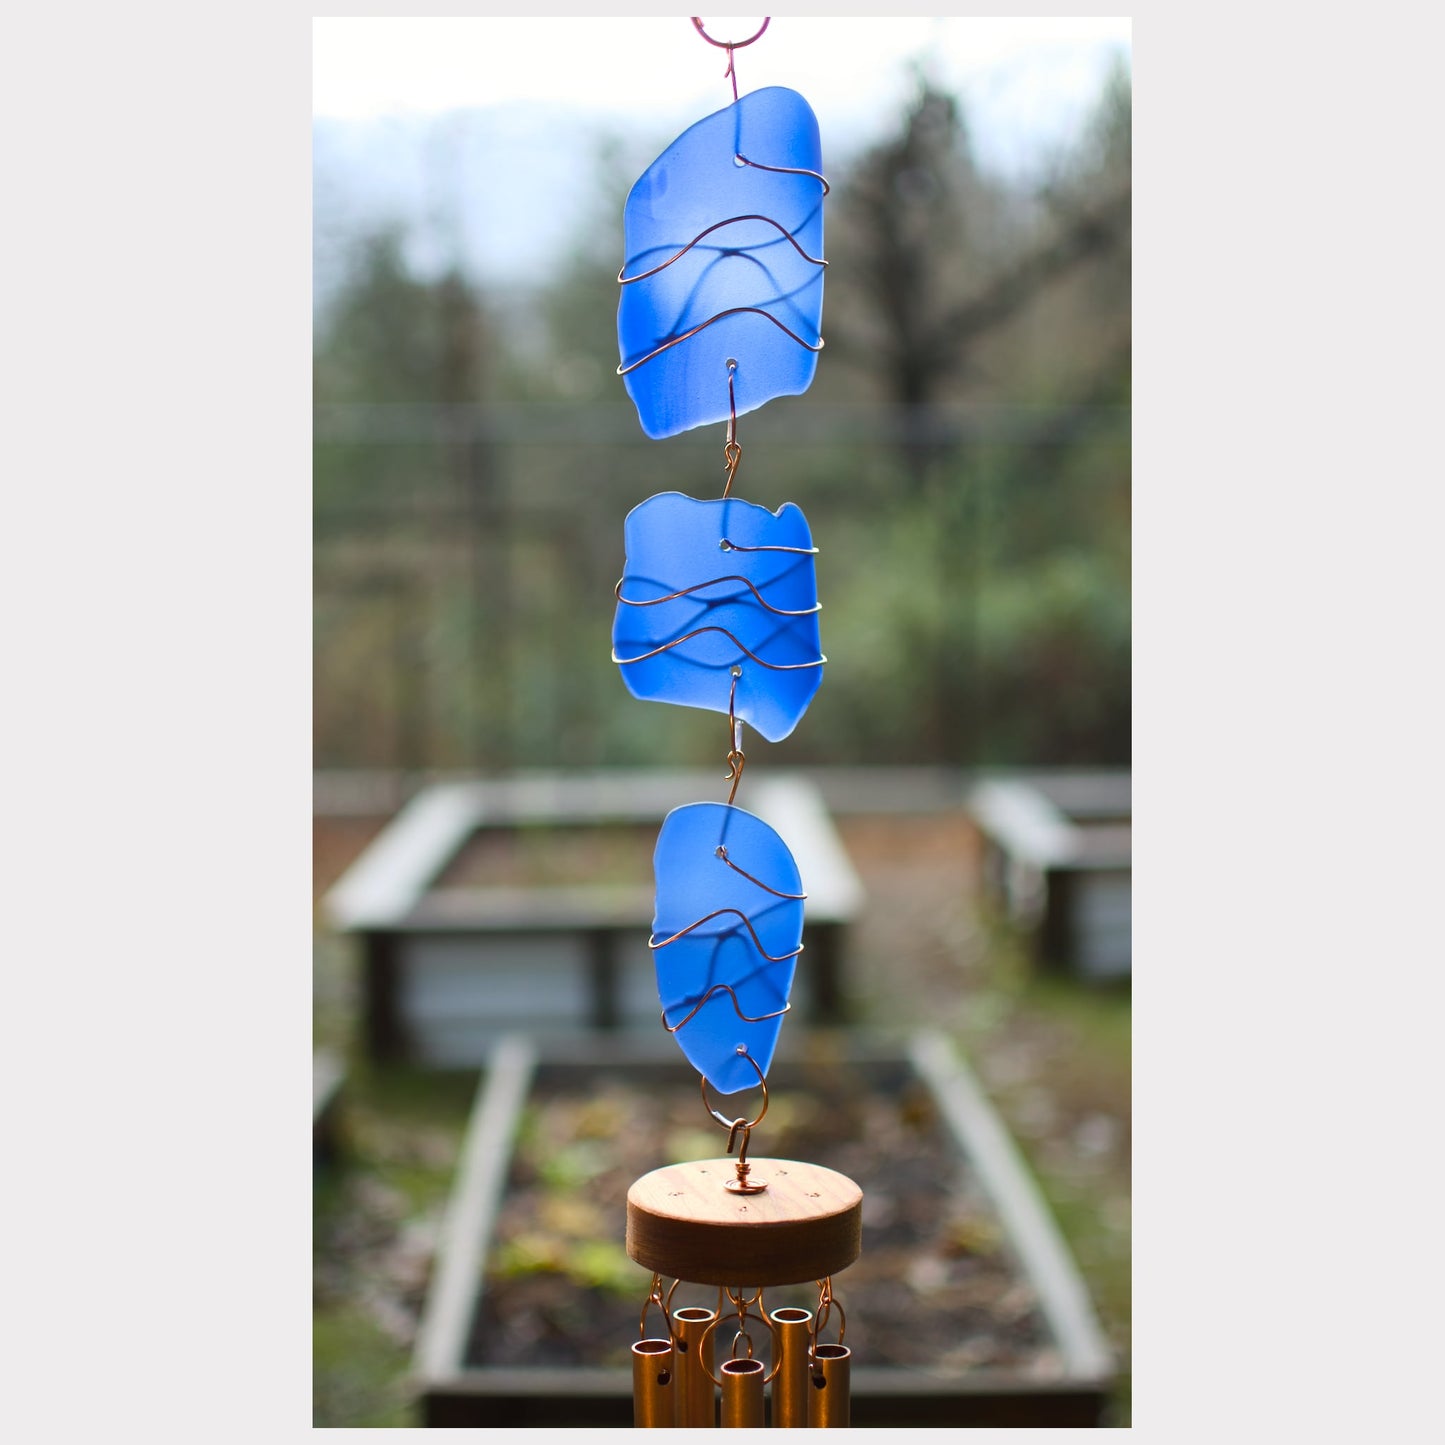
[[731, 1124], [740, 1314]]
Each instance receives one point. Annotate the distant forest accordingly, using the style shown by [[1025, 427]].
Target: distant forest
[[963, 458]]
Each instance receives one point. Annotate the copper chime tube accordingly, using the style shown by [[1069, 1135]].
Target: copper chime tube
[[654, 1386], [696, 1400], [742, 1394], [790, 1382], [828, 1395]]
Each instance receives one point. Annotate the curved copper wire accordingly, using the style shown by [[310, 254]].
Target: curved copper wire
[[736, 759], [717, 225], [654, 1296], [728, 989], [732, 449], [712, 582], [733, 1125], [698, 631], [722, 853], [654, 943], [726, 544], [785, 171], [826, 1305], [703, 325], [742, 1317], [730, 44]]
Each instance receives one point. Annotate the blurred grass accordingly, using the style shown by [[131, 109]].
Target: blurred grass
[[401, 1136], [1082, 1033]]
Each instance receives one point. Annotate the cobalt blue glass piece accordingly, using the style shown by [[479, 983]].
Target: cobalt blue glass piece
[[724, 940], [745, 260], [714, 585]]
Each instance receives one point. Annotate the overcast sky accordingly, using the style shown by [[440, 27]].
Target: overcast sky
[[1027, 81]]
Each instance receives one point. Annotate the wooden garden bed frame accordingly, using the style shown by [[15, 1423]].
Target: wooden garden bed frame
[[452, 1393], [387, 898]]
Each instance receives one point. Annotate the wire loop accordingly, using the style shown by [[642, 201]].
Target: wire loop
[[826, 1305], [655, 1296], [731, 1124], [741, 1306], [731, 44]]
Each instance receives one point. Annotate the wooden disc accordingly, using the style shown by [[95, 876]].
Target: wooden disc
[[682, 1222]]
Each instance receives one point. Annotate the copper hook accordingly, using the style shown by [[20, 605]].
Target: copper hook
[[736, 758], [731, 450]]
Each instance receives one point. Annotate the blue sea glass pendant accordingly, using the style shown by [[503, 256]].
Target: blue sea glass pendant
[[718, 608], [723, 235], [727, 931]]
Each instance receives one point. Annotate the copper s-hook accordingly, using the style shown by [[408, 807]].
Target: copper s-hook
[[731, 450], [736, 758]]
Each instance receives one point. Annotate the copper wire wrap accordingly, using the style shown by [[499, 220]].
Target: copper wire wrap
[[703, 325], [698, 631], [726, 544], [722, 853], [625, 280], [726, 988], [653, 942], [742, 160], [713, 582]]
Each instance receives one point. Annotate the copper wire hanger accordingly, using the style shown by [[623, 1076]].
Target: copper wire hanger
[[731, 45]]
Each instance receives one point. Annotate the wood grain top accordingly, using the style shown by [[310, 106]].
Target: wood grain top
[[683, 1223]]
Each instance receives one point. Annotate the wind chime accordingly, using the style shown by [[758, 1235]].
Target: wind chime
[[717, 608]]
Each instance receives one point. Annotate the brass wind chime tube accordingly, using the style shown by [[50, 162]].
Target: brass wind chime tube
[[696, 1399], [742, 1394], [654, 1385], [828, 1395], [790, 1380]]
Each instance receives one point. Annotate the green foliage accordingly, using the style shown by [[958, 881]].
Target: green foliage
[[963, 458], [358, 1374]]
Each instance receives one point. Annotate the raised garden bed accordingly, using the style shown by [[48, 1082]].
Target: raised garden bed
[[964, 1308], [525, 903], [1057, 856]]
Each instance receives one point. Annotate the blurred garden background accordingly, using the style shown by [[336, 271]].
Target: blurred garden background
[[963, 458]]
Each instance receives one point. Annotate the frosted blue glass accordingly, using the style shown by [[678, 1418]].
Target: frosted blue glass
[[693, 882], [675, 543], [694, 184]]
